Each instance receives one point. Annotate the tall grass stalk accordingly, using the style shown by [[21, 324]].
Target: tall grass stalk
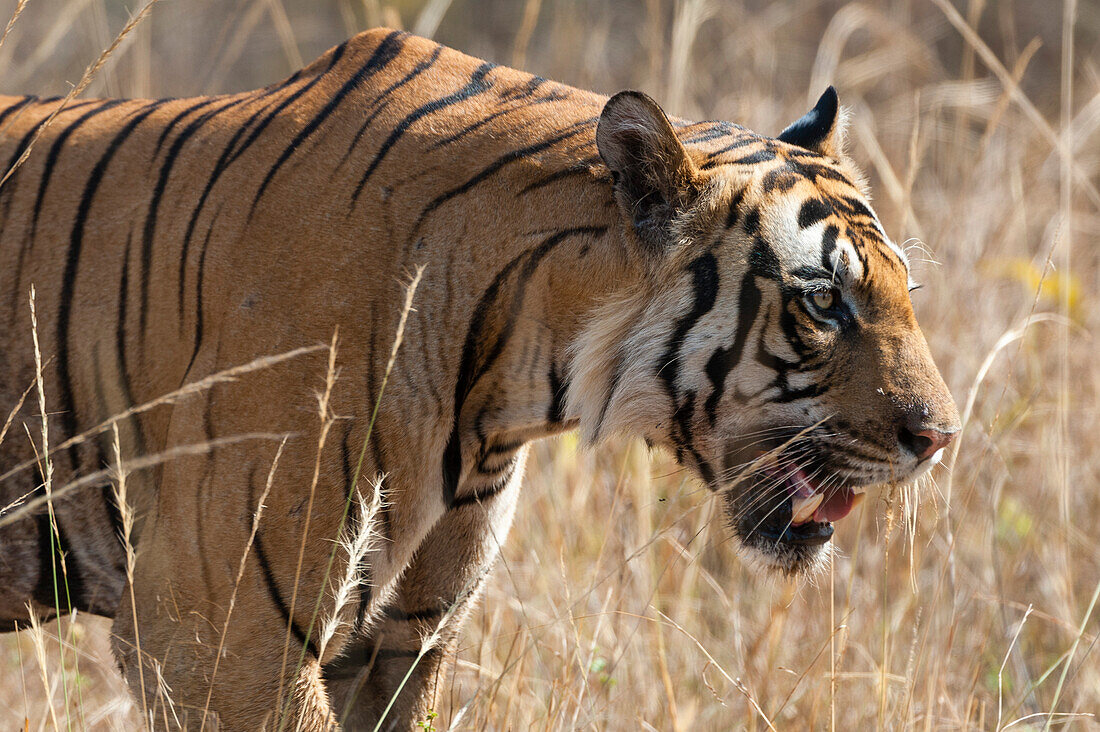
[[327, 418], [127, 514], [20, 5], [38, 642], [399, 337], [57, 557]]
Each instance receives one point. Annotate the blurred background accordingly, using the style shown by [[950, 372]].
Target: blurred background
[[619, 603]]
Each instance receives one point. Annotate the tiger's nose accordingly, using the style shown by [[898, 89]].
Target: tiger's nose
[[924, 442]]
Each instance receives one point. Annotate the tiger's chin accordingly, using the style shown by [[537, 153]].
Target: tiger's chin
[[784, 521]]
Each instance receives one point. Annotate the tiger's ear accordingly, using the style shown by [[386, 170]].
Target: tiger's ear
[[655, 179], [819, 130]]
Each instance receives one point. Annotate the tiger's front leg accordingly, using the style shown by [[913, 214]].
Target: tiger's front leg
[[418, 627]]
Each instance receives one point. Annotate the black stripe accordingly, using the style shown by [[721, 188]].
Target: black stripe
[[779, 179], [859, 246], [723, 360], [427, 613], [527, 90], [712, 157], [555, 412], [478, 84], [763, 261], [380, 102], [120, 339], [704, 283], [735, 145], [72, 265], [760, 156], [55, 152], [855, 207], [180, 116], [479, 496], [502, 448], [505, 451], [199, 280], [28, 137], [812, 211], [752, 221], [47, 173], [474, 126], [523, 93], [828, 244], [499, 163], [220, 166], [13, 108], [784, 368], [8, 190], [493, 473], [365, 595], [476, 360], [815, 170], [734, 213], [337, 54], [277, 596], [585, 167], [717, 130], [386, 52], [150, 228], [685, 441]]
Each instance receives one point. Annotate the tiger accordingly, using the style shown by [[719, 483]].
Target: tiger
[[586, 263]]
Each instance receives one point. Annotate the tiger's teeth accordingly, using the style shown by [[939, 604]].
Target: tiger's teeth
[[802, 509], [857, 498]]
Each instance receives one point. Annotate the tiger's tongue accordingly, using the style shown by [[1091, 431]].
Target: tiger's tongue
[[832, 507], [838, 505]]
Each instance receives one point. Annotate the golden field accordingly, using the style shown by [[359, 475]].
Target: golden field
[[619, 603]]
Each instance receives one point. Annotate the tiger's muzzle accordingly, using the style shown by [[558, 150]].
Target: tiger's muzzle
[[783, 505]]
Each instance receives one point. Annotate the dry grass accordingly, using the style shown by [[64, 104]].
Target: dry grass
[[618, 603]]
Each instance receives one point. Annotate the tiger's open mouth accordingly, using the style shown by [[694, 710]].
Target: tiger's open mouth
[[786, 512]]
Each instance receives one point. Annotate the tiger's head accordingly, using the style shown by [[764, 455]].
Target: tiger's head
[[772, 344]]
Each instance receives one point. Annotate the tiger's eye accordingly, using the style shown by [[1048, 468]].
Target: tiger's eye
[[824, 299]]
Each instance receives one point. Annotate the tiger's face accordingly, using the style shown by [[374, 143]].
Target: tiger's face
[[774, 349]]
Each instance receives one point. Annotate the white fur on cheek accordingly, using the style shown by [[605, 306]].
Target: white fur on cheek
[[605, 369]]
